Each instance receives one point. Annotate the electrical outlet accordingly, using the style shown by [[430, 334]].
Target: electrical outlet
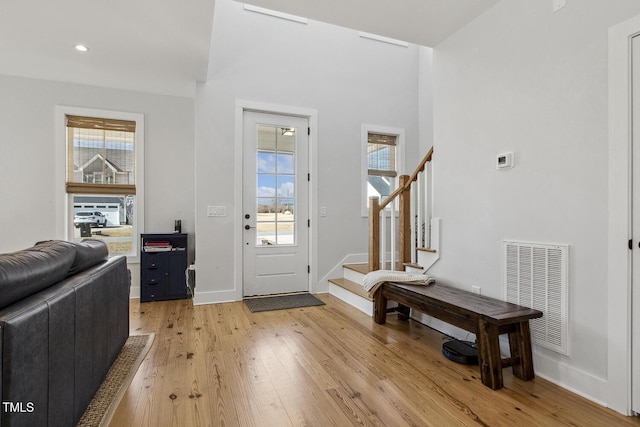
[[476, 290]]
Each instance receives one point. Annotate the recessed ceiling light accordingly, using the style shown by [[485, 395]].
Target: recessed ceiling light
[[82, 48]]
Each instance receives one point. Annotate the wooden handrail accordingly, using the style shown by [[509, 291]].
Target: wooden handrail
[[375, 207], [420, 167], [392, 196]]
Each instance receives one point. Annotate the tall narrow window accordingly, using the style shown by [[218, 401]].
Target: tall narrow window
[[381, 162], [101, 180]]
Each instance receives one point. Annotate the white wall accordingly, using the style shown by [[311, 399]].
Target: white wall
[[425, 101], [28, 192], [524, 79], [349, 80]]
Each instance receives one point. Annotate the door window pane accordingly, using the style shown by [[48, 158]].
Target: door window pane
[[286, 186], [285, 233], [266, 206], [286, 163], [265, 162], [275, 186], [286, 210], [266, 185], [266, 233]]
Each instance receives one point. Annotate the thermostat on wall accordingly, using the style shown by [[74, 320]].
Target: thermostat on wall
[[504, 160]]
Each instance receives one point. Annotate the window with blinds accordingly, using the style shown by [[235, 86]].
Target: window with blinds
[[101, 156], [381, 152], [381, 161], [104, 176]]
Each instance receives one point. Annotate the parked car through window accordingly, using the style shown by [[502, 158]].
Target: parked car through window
[[95, 218]]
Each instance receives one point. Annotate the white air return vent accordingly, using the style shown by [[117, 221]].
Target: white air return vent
[[536, 276]]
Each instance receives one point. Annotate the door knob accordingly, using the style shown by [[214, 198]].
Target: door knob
[[247, 227]]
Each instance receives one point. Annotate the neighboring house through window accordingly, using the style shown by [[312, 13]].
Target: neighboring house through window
[[381, 162], [103, 177]]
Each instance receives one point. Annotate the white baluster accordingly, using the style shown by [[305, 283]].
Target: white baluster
[[413, 226], [420, 203], [383, 238], [394, 236], [428, 204]]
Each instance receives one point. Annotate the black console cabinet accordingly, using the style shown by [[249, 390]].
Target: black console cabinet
[[163, 263]]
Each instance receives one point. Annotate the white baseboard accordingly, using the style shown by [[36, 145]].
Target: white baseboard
[[575, 380], [134, 292], [215, 297]]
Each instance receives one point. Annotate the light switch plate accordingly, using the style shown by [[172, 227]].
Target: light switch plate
[[216, 211]]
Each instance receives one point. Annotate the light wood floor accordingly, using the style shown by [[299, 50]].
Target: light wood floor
[[323, 366]]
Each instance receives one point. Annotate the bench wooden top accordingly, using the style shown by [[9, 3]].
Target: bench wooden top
[[464, 302]]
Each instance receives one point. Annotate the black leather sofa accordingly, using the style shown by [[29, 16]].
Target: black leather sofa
[[64, 317]]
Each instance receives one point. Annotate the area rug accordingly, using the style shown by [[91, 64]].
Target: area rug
[[115, 384], [282, 302]]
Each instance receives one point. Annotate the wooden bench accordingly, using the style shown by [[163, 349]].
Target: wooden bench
[[486, 317]]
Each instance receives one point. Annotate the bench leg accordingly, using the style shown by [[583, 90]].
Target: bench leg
[[520, 345], [403, 312], [379, 308], [489, 357]]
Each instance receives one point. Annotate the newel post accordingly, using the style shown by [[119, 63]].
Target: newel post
[[404, 221], [374, 233]]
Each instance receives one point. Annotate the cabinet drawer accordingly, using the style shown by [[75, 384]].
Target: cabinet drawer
[[152, 292], [154, 259], [152, 276]]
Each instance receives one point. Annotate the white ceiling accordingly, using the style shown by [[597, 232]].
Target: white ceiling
[[423, 22], [163, 46], [148, 45]]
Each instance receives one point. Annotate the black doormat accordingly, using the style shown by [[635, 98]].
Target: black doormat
[[281, 302]]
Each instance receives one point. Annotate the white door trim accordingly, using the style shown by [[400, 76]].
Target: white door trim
[[619, 256], [312, 115]]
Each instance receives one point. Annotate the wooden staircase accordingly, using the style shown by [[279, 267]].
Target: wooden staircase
[[349, 288], [352, 279], [394, 238]]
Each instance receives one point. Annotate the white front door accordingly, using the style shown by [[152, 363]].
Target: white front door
[[635, 266], [275, 204]]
